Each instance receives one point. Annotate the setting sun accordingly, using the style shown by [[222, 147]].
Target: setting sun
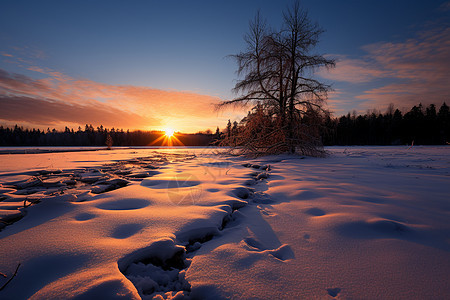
[[168, 132], [167, 138]]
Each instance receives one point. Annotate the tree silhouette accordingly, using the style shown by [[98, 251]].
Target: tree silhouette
[[277, 70]]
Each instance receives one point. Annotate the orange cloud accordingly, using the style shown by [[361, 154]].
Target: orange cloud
[[52, 113], [81, 101]]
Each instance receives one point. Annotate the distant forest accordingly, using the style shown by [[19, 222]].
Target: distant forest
[[424, 126], [100, 136]]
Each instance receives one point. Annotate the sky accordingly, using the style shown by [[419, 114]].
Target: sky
[[156, 64]]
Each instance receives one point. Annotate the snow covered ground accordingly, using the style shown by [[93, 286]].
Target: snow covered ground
[[363, 223]]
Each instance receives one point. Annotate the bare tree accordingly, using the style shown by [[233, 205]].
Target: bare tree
[[276, 71]]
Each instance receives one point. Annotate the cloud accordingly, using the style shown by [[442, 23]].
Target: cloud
[[52, 113], [58, 99], [353, 70], [445, 6], [13, 83], [404, 73]]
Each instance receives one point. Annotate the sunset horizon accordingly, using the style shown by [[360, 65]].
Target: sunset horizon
[[215, 150], [130, 75]]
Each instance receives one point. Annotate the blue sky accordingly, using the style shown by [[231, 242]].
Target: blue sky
[[145, 58]]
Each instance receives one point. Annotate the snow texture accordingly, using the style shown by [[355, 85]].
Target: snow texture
[[363, 223]]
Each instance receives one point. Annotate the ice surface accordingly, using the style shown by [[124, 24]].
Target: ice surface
[[365, 223]]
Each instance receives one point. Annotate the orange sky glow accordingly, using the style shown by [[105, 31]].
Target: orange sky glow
[[66, 101], [155, 70]]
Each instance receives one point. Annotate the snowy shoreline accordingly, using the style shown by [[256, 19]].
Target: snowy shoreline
[[39, 150], [365, 222]]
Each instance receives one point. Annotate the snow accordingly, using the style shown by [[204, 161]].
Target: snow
[[364, 223]]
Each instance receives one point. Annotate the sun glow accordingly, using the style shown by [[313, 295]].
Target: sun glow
[[168, 132], [167, 138]]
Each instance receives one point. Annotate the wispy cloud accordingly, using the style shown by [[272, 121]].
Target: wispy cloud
[[404, 73], [445, 6], [354, 70], [59, 99]]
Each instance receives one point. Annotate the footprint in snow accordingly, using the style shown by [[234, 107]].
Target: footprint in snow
[[254, 245], [242, 193], [376, 228], [283, 253], [124, 204], [126, 230], [84, 216], [316, 212], [266, 211], [333, 292]]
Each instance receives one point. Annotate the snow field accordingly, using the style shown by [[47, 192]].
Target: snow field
[[365, 222]]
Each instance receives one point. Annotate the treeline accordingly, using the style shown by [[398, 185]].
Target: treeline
[[100, 136], [424, 126]]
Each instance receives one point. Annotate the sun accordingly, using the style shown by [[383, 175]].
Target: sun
[[168, 138], [168, 132]]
